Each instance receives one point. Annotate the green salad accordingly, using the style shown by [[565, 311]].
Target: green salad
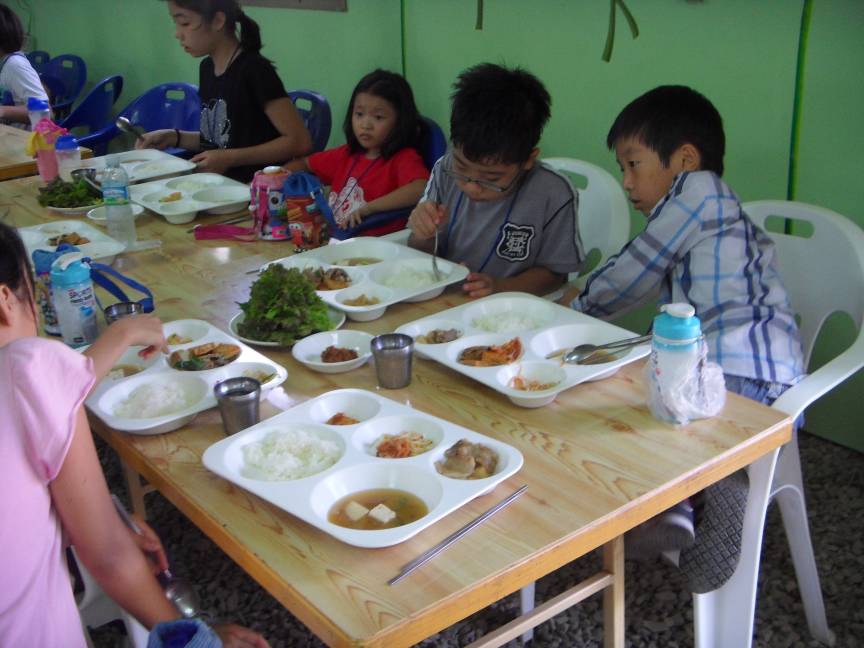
[[58, 193], [283, 308]]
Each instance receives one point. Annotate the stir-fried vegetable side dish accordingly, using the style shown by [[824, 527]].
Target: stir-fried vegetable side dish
[[58, 193], [282, 307], [204, 356]]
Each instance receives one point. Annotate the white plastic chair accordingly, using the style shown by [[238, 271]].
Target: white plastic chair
[[96, 608], [834, 283], [604, 213]]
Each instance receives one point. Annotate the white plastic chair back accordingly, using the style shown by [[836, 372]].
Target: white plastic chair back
[[604, 213], [823, 273]]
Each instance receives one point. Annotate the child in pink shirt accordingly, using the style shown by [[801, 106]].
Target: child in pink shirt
[[51, 484]]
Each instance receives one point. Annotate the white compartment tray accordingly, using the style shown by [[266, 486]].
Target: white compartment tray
[[379, 280], [543, 328], [357, 469], [197, 192], [100, 248], [197, 386], [142, 164]]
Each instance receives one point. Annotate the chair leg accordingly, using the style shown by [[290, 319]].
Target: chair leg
[[789, 492], [526, 600], [725, 616]]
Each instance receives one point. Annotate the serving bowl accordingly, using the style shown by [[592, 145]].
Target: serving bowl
[[308, 350]]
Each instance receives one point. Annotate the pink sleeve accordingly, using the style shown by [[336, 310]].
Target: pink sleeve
[[408, 166], [326, 164], [49, 383]]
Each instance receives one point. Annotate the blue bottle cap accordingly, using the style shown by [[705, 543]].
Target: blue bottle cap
[[37, 104], [66, 143], [43, 259], [69, 269], [677, 322]]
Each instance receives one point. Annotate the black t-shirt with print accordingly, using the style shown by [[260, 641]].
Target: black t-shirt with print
[[232, 106]]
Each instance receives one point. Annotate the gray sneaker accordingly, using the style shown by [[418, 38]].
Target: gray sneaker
[[671, 530], [713, 557]]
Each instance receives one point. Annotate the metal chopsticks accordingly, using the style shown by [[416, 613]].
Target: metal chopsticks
[[429, 554]]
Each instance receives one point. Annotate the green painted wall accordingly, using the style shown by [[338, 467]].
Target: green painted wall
[[740, 53]]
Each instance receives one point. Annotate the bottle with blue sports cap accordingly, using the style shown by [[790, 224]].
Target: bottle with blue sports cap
[[74, 299]]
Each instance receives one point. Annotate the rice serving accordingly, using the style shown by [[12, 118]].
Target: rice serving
[[509, 322], [290, 454], [408, 277], [151, 400]]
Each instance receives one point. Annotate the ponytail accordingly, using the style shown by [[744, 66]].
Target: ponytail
[[250, 32]]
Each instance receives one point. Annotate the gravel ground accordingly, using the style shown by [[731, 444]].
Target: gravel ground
[[659, 610]]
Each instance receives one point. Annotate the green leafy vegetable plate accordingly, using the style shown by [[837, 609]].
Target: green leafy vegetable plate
[[337, 319]]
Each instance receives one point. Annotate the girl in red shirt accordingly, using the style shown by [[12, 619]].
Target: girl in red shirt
[[379, 168]]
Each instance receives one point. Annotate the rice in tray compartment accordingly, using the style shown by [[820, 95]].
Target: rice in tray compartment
[[505, 323], [408, 277], [290, 454], [151, 400]]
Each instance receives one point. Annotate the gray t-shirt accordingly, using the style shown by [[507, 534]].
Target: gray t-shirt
[[533, 225]]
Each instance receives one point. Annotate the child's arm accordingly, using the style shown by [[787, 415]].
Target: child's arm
[[425, 219], [140, 330], [537, 281], [297, 164], [405, 196], [15, 114], [293, 141]]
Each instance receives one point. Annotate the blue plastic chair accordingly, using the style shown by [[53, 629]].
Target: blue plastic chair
[[72, 72], [434, 146], [95, 113], [315, 111], [38, 59]]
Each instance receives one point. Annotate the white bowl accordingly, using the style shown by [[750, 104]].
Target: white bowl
[[308, 350], [193, 330], [356, 405], [195, 182], [99, 213], [364, 313], [491, 315], [363, 247], [547, 371]]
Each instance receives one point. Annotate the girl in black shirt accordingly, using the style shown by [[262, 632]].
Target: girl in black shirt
[[247, 119]]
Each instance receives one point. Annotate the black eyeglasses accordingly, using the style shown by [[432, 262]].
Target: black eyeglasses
[[485, 184]]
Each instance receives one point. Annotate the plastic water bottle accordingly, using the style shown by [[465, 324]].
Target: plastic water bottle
[[74, 301], [118, 211], [68, 156], [42, 262], [675, 357], [37, 109]]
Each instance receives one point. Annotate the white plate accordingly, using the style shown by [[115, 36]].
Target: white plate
[[142, 164], [101, 247], [98, 214], [73, 211], [384, 280], [357, 468], [308, 350], [337, 319], [187, 207], [197, 385], [547, 328]]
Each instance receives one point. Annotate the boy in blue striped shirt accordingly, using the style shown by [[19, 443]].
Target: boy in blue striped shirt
[[698, 247]]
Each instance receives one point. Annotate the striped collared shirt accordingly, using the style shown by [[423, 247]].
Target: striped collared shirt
[[700, 248]]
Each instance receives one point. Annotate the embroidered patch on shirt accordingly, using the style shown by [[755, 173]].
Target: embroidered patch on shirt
[[515, 243]]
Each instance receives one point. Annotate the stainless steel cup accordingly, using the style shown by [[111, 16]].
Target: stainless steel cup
[[393, 353], [238, 400], [120, 310]]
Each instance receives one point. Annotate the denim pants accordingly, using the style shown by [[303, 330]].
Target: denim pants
[[763, 391]]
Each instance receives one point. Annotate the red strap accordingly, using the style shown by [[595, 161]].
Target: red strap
[[204, 232]]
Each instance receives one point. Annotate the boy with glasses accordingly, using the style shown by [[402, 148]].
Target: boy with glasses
[[493, 206]]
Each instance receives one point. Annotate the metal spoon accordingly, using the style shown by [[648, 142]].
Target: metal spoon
[[582, 352], [128, 127], [435, 270], [177, 590], [89, 176]]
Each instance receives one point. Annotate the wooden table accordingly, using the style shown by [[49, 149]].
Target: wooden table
[[14, 161], [596, 465]]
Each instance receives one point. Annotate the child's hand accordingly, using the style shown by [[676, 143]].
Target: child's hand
[[426, 218], [149, 543], [158, 139], [353, 219], [214, 161], [235, 636], [478, 284], [141, 330]]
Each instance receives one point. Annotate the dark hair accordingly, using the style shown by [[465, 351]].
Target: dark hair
[[15, 269], [250, 32], [408, 130], [666, 118], [498, 114], [11, 30]]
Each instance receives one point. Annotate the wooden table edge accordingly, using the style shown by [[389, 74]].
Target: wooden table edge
[[494, 587]]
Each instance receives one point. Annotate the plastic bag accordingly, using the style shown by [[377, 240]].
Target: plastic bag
[[693, 392]]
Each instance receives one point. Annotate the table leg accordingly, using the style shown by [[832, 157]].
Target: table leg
[[613, 595], [136, 489]]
